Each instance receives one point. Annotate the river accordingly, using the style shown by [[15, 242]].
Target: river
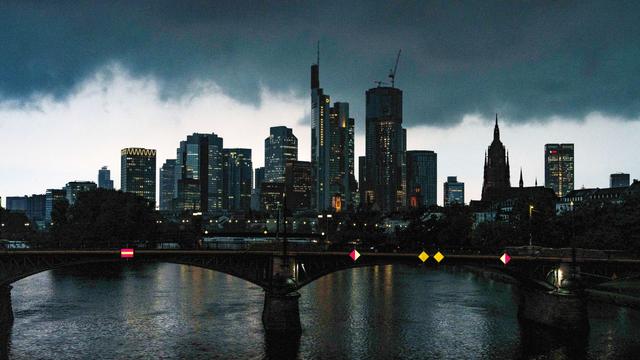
[[167, 311]]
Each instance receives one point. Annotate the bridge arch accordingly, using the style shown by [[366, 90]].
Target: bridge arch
[[18, 268]]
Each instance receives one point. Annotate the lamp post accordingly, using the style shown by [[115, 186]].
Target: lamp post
[[531, 211], [326, 224]]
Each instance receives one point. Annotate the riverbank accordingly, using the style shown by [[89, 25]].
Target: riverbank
[[605, 294]]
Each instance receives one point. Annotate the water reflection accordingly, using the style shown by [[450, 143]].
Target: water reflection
[[539, 341], [279, 346], [390, 312], [5, 336]]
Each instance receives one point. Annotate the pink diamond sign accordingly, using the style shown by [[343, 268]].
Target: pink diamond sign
[[354, 255], [505, 258]]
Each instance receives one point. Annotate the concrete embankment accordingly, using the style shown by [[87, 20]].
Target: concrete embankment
[[604, 294], [607, 297]]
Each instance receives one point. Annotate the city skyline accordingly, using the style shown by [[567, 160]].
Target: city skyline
[[518, 152], [127, 93]]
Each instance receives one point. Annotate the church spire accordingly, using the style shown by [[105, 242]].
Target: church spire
[[496, 130], [521, 183]]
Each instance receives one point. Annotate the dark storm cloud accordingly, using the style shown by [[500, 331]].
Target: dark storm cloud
[[527, 61]]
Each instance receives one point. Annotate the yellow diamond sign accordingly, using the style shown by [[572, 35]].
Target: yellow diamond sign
[[438, 256], [423, 256]]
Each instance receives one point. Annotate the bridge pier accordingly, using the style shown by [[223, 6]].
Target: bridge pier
[[6, 311], [564, 308], [281, 313]]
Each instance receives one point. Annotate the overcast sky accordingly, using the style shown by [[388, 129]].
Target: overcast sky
[[80, 82]]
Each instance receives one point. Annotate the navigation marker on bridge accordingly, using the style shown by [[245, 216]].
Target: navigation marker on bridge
[[505, 258], [423, 256], [354, 255], [438, 256], [126, 253]]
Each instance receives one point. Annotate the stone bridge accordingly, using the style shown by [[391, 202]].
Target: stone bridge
[[559, 301]]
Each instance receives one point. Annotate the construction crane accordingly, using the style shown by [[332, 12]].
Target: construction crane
[[392, 73]]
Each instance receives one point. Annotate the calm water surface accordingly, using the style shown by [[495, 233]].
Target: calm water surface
[[165, 311]]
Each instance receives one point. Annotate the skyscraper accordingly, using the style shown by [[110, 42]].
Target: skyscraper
[[332, 154], [453, 191], [256, 198], [422, 177], [320, 116], [340, 171], [104, 179], [619, 180], [558, 168], [385, 148], [298, 184], [199, 173], [167, 185], [497, 183], [237, 179], [138, 172], [366, 194], [281, 146]]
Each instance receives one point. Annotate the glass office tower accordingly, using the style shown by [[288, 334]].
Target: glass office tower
[[558, 168], [138, 172]]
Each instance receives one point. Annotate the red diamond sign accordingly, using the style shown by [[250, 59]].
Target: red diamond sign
[[505, 258], [354, 255]]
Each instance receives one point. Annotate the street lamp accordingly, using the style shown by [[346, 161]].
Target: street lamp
[[530, 229], [327, 217]]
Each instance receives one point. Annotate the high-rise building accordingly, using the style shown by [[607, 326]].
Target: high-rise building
[[320, 115], [422, 177], [298, 184], [104, 179], [259, 178], [341, 172], [256, 199], [74, 188], [281, 146], [497, 183], [168, 185], [385, 149], [138, 172], [53, 196], [332, 154], [17, 203], [453, 191], [272, 195], [366, 194], [558, 168], [199, 163], [237, 179], [32, 206], [619, 180]]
